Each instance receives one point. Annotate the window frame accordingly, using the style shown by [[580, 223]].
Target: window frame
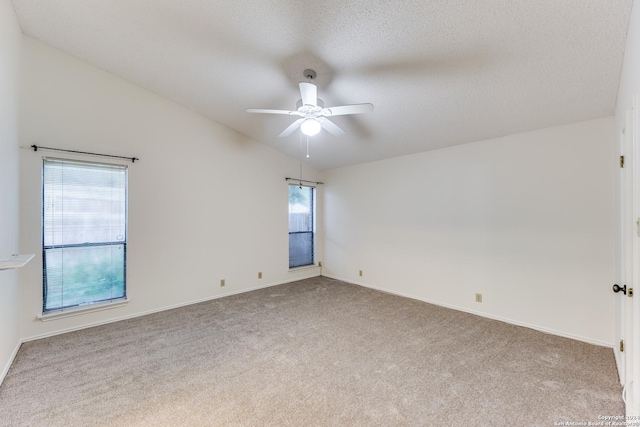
[[313, 230], [88, 305]]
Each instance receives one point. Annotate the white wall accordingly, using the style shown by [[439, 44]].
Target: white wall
[[526, 220], [10, 40], [205, 203]]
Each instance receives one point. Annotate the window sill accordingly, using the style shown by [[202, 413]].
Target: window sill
[[15, 261], [81, 310], [303, 267]]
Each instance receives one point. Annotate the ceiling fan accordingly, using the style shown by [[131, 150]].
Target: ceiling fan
[[313, 114]]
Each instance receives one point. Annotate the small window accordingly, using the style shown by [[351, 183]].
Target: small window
[[301, 225], [84, 233]]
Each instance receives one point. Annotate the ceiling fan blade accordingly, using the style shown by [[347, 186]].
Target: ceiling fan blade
[[347, 109], [267, 111], [331, 127], [293, 126], [309, 94]]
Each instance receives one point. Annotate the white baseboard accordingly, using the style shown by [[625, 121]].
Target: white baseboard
[[5, 371], [311, 274], [477, 313]]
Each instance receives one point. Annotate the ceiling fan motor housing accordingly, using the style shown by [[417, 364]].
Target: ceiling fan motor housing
[[319, 102]]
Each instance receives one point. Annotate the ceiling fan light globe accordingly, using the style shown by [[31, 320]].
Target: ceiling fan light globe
[[310, 127]]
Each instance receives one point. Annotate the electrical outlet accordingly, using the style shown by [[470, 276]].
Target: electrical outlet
[[221, 283], [260, 275], [478, 297], [360, 273]]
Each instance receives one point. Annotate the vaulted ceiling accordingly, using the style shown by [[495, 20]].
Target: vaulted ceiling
[[439, 72]]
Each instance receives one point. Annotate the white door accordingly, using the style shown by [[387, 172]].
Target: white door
[[628, 305], [623, 255], [632, 390]]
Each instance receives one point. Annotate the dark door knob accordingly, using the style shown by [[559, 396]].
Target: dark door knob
[[617, 289]]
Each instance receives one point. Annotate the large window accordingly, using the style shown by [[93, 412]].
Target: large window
[[84, 233], [301, 225]]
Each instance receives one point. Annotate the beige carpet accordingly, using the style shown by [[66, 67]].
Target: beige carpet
[[317, 352]]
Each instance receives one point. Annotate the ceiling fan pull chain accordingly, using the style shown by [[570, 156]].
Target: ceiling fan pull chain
[[301, 174], [301, 160]]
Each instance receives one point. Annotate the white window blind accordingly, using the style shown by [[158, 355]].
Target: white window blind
[[84, 233]]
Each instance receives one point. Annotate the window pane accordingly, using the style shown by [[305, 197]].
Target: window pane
[[300, 249], [82, 275], [300, 208], [83, 204]]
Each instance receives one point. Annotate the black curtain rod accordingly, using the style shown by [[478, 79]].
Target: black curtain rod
[[303, 180], [133, 159]]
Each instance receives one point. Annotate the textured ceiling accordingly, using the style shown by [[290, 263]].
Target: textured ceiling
[[439, 72]]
